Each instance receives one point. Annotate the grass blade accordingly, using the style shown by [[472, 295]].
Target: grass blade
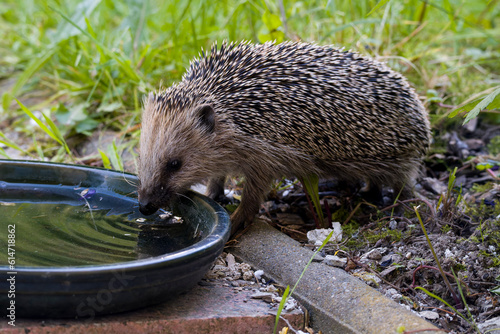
[[9, 143], [124, 64], [281, 307], [284, 298], [105, 160], [52, 130], [117, 160], [491, 101], [32, 68], [311, 183], [2, 152], [57, 133], [440, 299], [39, 122], [377, 6]]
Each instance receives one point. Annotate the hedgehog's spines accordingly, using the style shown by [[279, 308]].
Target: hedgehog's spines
[[337, 100]]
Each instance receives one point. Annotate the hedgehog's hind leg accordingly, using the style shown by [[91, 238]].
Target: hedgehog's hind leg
[[403, 183], [215, 187], [372, 192]]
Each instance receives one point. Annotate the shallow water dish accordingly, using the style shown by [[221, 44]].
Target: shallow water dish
[[75, 245]]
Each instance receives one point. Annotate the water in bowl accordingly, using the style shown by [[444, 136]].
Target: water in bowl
[[57, 226]]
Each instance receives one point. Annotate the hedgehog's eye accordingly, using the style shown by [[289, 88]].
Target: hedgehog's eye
[[173, 165]]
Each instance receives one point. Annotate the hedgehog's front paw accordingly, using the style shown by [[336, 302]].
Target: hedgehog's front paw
[[215, 188]]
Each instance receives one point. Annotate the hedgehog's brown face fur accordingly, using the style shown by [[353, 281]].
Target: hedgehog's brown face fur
[[175, 143]]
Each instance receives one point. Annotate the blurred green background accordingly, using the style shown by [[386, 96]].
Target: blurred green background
[[83, 67]]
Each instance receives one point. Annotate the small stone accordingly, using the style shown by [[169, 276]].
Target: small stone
[[218, 267], [269, 288], [318, 258], [244, 267], [491, 326], [335, 261], [258, 274], [387, 271], [393, 294], [393, 224], [408, 255], [269, 206], [265, 296], [430, 315], [370, 279], [248, 275], [318, 236], [402, 225], [474, 144], [220, 260], [389, 259], [471, 125], [448, 254], [375, 254], [231, 262], [284, 207], [434, 185], [487, 303], [492, 249], [289, 219], [458, 147], [291, 304]]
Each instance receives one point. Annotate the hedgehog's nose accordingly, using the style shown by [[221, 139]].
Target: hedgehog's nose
[[147, 208]]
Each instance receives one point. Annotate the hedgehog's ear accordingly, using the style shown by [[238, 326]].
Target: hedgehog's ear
[[206, 115]]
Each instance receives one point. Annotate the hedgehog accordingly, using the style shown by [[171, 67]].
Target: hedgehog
[[264, 111]]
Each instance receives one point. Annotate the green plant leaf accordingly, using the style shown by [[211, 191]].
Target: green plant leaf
[[451, 180], [34, 66], [9, 143], [451, 17], [39, 122], [440, 299], [271, 21], [124, 64], [117, 160], [56, 132], [86, 126], [284, 298], [66, 29], [490, 101], [377, 6], [76, 114], [311, 183], [105, 160], [52, 130], [2, 152]]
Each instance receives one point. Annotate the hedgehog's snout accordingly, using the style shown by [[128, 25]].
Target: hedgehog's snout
[[147, 208], [153, 198]]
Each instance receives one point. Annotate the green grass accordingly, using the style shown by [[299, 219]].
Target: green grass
[[86, 65]]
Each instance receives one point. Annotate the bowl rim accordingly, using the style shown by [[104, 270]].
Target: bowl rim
[[219, 234]]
